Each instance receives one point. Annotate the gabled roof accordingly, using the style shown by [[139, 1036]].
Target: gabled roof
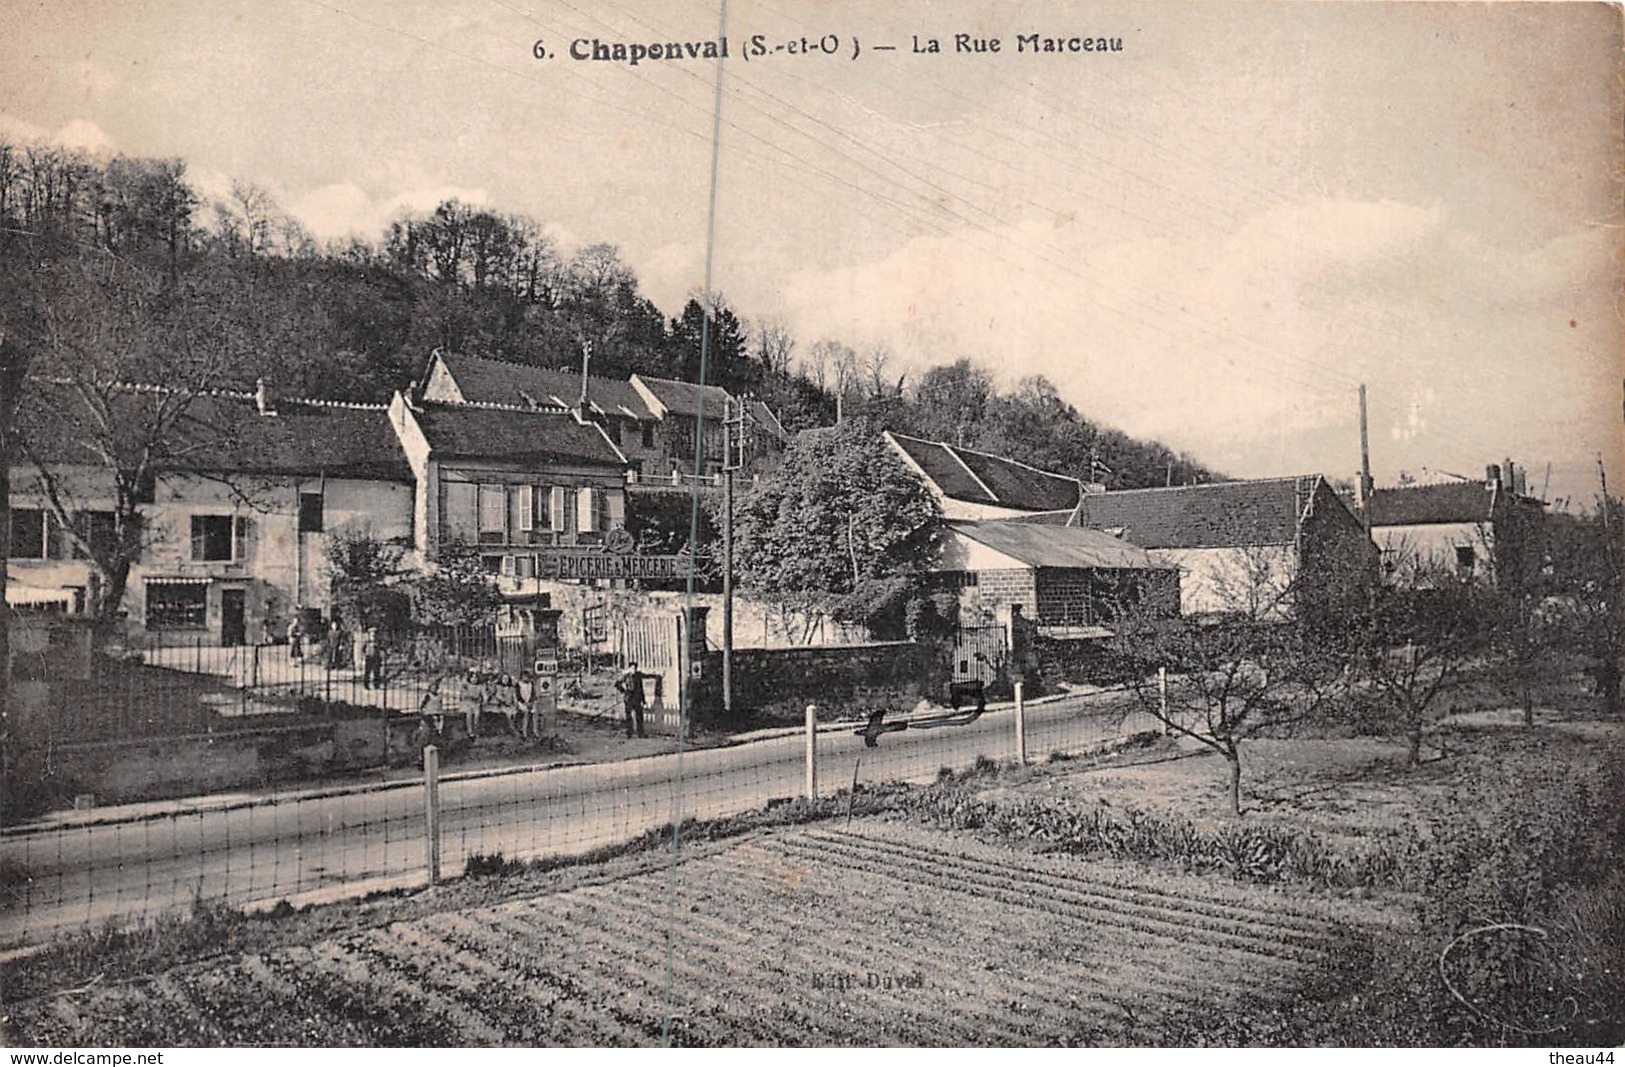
[[982, 478], [1217, 515], [491, 381], [1423, 505], [468, 431], [685, 399], [764, 417], [220, 432], [1058, 546]]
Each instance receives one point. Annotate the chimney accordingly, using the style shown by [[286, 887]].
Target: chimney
[[1492, 476], [1508, 479], [262, 398]]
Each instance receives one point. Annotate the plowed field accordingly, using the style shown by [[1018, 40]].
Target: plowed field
[[876, 934]]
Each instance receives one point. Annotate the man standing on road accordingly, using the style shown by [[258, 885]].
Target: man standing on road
[[630, 683]]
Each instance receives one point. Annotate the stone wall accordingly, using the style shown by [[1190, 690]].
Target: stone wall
[[996, 590], [776, 685]]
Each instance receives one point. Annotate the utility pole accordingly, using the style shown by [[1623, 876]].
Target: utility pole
[[733, 455], [586, 360], [1365, 468]]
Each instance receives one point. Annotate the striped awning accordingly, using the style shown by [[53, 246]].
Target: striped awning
[[33, 594]]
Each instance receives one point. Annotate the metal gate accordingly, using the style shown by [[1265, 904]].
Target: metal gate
[[980, 654], [656, 646]]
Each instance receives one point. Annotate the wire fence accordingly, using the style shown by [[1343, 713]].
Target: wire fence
[[92, 867]]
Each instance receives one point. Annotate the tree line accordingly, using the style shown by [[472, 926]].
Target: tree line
[[355, 319]]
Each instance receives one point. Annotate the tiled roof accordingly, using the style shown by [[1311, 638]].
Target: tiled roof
[[468, 432], [491, 381], [1018, 485], [224, 433], [977, 477], [1217, 515], [1422, 505], [1058, 546], [686, 398]]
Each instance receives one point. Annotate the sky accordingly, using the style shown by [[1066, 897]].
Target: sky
[[1211, 237]]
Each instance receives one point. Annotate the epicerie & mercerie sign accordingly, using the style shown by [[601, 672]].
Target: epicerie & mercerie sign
[[564, 566]]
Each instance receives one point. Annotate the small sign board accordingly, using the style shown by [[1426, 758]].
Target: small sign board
[[564, 566]]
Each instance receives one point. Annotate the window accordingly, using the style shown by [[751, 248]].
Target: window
[[177, 605], [562, 504], [310, 513], [493, 514], [648, 434], [96, 528], [524, 567], [27, 534], [491, 564], [458, 508], [1464, 560], [541, 510], [216, 538], [586, 509]]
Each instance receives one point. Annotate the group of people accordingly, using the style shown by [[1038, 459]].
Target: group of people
[[338, 648], [479, 693]]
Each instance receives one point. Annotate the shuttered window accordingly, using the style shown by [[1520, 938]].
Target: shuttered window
[[493, 513], [586, 512]]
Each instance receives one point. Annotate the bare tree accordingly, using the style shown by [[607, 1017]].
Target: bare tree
[[1230, 677], [872, 366], [97, 444], [597, 271], [775, 345], [1411, 641], [244, 221]]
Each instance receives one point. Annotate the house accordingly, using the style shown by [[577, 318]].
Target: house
[[651, 420], [977, 485], [615, 404], [513, 483], [1238, 545], [1066, 579], [235, 512], [683, 406], [1457, 525]]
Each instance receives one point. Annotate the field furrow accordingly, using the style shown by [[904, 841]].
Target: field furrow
[[779, 956], [571, 1022], [1283, 922], [630, 954], [1098, 981], [1099, 909], [645, 943], [957, 1005]]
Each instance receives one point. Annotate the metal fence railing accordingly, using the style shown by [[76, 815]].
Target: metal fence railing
[[151, 690], [90, 867]]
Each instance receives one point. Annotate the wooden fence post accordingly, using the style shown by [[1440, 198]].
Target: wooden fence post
[[1162, 699], [812, 751], [431, 811], [1021, 726]]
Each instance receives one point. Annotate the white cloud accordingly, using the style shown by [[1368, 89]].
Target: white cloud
[[80, 134], [13, 128], [83, 134], [344, 208]]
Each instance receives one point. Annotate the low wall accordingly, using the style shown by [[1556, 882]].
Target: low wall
[[777, 684], [128, 771]]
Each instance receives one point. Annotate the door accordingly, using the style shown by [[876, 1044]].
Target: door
[[233, 624]]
